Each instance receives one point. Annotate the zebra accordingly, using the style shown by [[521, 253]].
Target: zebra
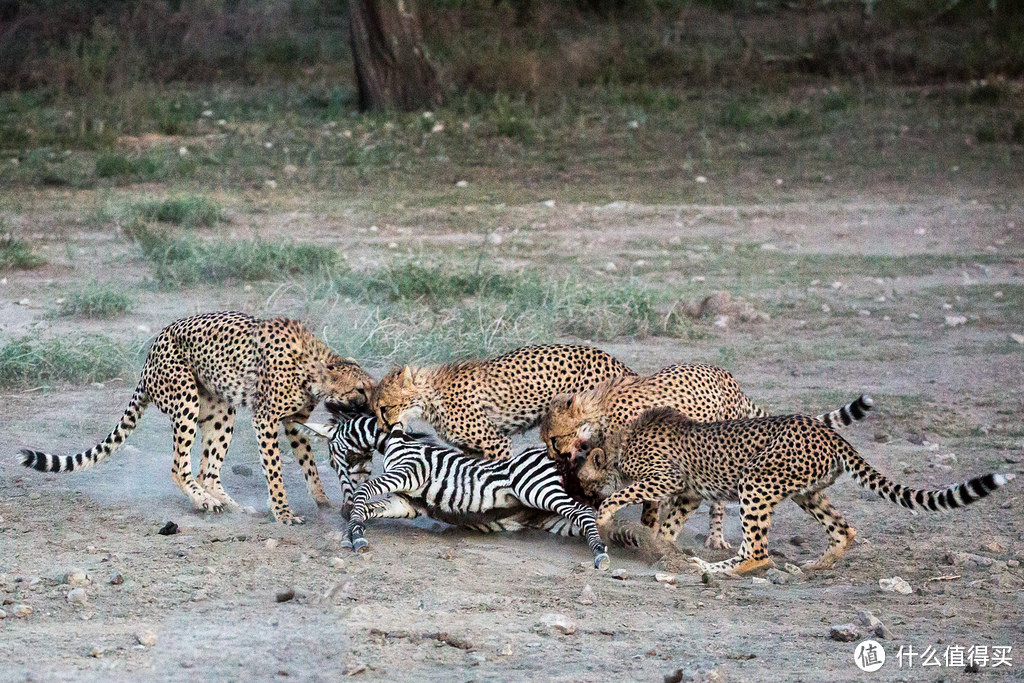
[[427, 478]]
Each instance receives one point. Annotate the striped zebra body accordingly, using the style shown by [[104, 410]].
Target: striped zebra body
[[422, 478]]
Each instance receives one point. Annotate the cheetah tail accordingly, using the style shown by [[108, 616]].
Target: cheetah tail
[[937, 500], [44, 462], [848, 414]]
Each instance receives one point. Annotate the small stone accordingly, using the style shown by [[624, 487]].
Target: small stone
[[168, 529], [955, 320], [874, 625], [290, 169], [495, 238], [993, 547], [550, 203], [97, 651], [270, 184], [560, 623], [948, 611], [895, 585], [272, 543], [968, 560], [778, 577], [881, 437], [250, 510], [825, 308], [76, 577], [146, 638], [792, 569], [700, 179], [1013, 563], [586, 596], [610, 267], [507, 650], [797, 540], [844, 633], [708, 579], [666, 578], [116, 579], [199, 596], [758, 581], [1019, 338], [462, 183], [918, 439], [22, 611], [77, 596], [337, 563], [3, 614], [242, 470], [285, 595], [619, 574]]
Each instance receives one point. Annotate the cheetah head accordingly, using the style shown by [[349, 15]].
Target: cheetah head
[[568, 428], [343, 385], [399, 396], [597, 474]]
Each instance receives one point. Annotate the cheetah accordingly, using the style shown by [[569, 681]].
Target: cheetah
[[477, 405], [760, 462], [704, 393], [199, 369]]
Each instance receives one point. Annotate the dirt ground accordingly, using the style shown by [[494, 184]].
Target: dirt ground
[[432, 603]]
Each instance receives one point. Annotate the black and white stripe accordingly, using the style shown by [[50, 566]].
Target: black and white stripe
[[848, 414], [423, 478]]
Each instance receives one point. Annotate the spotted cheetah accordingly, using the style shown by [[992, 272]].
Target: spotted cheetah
[[760, 462], [199, 369], [477, 405], [704, 393]]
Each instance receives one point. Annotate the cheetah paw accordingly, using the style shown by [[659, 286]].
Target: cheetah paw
[[288, 519], [717, 543]]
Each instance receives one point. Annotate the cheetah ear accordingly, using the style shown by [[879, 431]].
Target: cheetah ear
[[600, 458], [406, 376], [315, 429]]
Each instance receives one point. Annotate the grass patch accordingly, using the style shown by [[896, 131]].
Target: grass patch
[[432, 311], [16, 253], [96, 300], [124, 167], [30, 362], [190, 211], [178, 262]]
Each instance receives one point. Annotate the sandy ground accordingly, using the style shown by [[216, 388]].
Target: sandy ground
[[432, 603]]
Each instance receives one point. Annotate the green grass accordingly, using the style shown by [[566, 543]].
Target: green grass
[[95, 300], [124, 167], [29, 362], [183, 261], [18, 254], [431, 311], [190, 211]]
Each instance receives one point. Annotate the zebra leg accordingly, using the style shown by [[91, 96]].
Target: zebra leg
[[582, 517], [393, 481], [339, 463], [392, 507]]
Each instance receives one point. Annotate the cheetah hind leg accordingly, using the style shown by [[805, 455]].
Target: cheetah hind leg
[[840, 534], [216, 422], [756, 508], [716, 537]]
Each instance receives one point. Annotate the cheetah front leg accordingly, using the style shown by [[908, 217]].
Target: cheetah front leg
[[217, 423], [654, 489], [304, 454], [840, 534], [270, 455], [479, 435]]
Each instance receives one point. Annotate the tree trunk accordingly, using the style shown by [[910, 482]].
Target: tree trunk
[[392, 71]]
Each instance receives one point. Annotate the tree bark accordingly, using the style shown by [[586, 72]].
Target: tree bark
[[392, 71]]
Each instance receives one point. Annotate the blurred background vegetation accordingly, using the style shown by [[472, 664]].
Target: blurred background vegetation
[[513, 46]]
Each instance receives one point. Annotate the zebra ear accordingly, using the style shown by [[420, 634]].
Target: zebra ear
[[316, 429]]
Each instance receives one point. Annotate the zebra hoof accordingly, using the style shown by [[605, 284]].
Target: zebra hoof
[[359, 544], [601, 561], [346, 543]]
